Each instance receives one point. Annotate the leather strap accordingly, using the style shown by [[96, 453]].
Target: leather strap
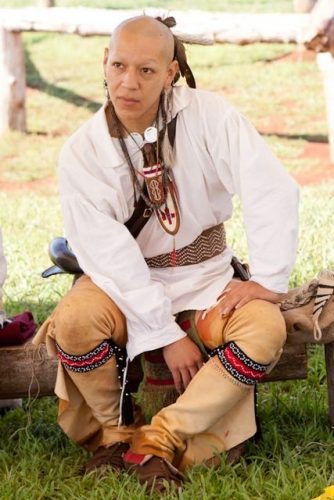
[[140, 216], [171, 130]]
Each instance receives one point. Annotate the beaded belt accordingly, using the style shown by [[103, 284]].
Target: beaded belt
[[208, 244]]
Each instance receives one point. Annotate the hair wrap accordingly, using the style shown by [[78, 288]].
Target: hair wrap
[[179, 55]]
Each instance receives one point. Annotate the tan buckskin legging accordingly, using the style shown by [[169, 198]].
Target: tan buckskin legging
[[215, 413]]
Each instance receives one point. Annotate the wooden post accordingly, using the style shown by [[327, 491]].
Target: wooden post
[[329, 356], [314, 38], [13, 82], [46, 3], [326, 65], [303, 6]]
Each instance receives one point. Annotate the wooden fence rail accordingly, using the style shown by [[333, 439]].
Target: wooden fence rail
[[192, 26]]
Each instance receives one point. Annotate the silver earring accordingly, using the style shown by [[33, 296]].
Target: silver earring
[[106, 91]]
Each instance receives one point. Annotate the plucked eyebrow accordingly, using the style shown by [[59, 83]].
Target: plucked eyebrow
[[150, 61], [146, 62]]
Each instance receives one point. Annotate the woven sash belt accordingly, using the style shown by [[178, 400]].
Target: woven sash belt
[[208, 244]]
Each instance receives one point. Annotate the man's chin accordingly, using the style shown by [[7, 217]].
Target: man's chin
[[126, 113]]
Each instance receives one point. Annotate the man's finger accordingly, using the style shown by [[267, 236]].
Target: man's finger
[[223, 294], [200, 364], [177, 381], [193, 370], [242, 302], [227, 308], [186, 377]]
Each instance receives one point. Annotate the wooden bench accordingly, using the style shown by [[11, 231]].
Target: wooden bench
[[27, 371]]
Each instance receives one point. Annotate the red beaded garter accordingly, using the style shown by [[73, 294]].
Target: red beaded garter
[[241, 367], [89, 361]]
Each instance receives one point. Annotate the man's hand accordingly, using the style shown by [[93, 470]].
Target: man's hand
[[238, 293], [183, 359]]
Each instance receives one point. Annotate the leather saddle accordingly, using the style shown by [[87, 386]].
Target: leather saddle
[[64, 260]]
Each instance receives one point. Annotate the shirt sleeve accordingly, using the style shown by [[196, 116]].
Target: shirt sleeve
[[269, 198], [107, 252]]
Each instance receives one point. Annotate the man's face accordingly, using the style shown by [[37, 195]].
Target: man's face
[[137, 70]]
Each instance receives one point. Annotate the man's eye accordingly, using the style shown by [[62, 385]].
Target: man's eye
[[117, 65], [147, 71]]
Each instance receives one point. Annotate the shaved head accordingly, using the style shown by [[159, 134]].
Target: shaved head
[[139, 66], [150, 28]]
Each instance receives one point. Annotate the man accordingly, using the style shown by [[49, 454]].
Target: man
[[132, 289]]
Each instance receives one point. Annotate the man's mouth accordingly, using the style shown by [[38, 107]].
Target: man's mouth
[[128, 101]]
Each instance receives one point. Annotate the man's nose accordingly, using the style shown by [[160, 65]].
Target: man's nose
[[130, 79]]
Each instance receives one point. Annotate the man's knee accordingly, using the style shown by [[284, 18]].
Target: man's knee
[[85, 317], [259, 329]]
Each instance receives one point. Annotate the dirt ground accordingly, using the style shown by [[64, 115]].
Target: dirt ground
[[318, 151], [36, 185]]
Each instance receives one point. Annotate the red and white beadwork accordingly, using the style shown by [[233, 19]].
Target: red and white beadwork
[[169, 214], [88, 361], [240, 366]]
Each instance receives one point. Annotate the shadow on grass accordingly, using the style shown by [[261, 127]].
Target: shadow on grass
[[36, 81]]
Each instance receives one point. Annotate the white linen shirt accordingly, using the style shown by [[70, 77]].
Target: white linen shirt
[[218, 153]]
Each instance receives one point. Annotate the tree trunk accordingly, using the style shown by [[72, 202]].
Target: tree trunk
[[303, 6], [46, 3], [13, 82]]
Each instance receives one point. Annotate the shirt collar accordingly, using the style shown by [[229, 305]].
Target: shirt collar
[[105, 147], [181, 98]]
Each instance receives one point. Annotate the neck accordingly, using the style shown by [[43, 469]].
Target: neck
[[135, 126], [127, 126]]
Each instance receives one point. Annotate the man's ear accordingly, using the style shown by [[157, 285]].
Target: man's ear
[[105, 56], [171, 72]]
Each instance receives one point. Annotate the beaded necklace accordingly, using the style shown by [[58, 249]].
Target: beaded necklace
[[148, 150]]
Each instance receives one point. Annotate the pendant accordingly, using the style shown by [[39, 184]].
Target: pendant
[[151, 134], [169, 214], [152, 171], [154, 184]]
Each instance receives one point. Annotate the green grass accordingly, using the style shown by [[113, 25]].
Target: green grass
[[283, 97]]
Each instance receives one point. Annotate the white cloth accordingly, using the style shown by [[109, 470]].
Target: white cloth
[[218, 154]]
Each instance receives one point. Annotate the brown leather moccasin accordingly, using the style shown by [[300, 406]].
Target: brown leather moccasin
[[157, 474], [235, 454], [107, 457]]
